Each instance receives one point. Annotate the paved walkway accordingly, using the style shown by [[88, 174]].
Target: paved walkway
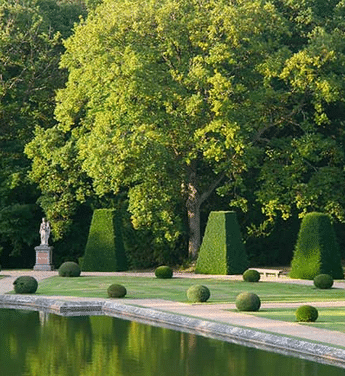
[[215, 312]]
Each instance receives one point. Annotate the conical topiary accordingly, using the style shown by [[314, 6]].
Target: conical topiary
[[222, 250], [317, 250], [105, 249]]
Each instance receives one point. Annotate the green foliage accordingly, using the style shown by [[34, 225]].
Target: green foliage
[[247, 301], [142, 249], [306, 313], [69, 269], [116, 291], [317, 250], [92, 4], [270, 244], [30, 51], [222, 250], [104, 249], [72, 246], [323, 281], [163, 272], [198, 294], [25, 285], [251, 276], [174, 100], [127, 130]]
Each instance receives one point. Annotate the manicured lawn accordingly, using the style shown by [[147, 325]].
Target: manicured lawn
[[175, 289], [329, 318]]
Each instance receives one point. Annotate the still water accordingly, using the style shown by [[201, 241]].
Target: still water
[[34, 344]]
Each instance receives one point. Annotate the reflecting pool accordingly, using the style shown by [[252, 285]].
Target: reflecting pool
[[37, 344]]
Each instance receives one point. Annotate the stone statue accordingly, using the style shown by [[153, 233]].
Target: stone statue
[[44, 232], [44, 252]]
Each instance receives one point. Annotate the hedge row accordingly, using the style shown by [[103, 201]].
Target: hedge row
[[222, 250], [317, 251], [105, 251]]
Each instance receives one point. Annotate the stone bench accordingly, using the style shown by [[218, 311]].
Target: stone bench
[[267, 272]]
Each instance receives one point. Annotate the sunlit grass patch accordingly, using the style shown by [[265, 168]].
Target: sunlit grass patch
[[329, 318], [222, 291]]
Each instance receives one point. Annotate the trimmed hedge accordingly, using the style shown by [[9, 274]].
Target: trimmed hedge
[[323, 281], [222, 250], [25, 285], [69, 269], [105, 251], [306, 313], [251, 276], [116, 291], [248, 302], [198, 294], [317, 250], [164, 272]]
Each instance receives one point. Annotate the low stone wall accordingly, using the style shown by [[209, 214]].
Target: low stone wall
[[247, 337]]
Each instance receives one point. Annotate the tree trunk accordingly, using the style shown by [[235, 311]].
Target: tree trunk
[[194, 228], [193, 205]]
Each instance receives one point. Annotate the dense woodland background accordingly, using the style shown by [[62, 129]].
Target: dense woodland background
[[167, 110]]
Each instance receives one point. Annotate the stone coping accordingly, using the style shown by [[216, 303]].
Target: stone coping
[[243, 336]]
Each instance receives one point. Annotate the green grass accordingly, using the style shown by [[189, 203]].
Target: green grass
[[329, 318], [175, 289]]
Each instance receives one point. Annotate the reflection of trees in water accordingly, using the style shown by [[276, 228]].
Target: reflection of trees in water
[[65, 345], [93, 346], [18, 336]]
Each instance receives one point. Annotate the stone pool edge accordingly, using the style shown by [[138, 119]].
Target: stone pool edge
[[290, 346]]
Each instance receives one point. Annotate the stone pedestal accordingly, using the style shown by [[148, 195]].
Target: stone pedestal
[[44, 258]]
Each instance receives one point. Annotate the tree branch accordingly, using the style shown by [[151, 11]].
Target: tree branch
[[205, 195]]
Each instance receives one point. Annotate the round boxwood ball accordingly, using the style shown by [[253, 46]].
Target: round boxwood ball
[[164, 272], [247, 301], [323, 281], [198, 294], [251, 276], [306, 313], [116, 291], [25, 285], [69, 269]]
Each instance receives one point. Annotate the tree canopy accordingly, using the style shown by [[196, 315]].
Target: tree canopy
[[30, 48], [172, 100]]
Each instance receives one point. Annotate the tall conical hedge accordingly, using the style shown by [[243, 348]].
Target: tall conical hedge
[[105, 250], [222, 250], [317, 250]]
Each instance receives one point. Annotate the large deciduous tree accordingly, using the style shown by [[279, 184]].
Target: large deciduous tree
[[173, 100]]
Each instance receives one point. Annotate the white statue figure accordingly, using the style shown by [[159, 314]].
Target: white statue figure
[[44, 232]]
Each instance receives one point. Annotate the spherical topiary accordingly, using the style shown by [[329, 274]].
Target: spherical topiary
[[116, 291], [323, 281], [198, 294], [251, 276], [247, 301], [164, 272], [25, 285], [306, 313], [69, 269]]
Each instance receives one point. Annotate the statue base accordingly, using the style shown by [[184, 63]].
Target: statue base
[[44, 258]]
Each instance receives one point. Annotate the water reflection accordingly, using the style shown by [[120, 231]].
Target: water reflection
[[37, 344]]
